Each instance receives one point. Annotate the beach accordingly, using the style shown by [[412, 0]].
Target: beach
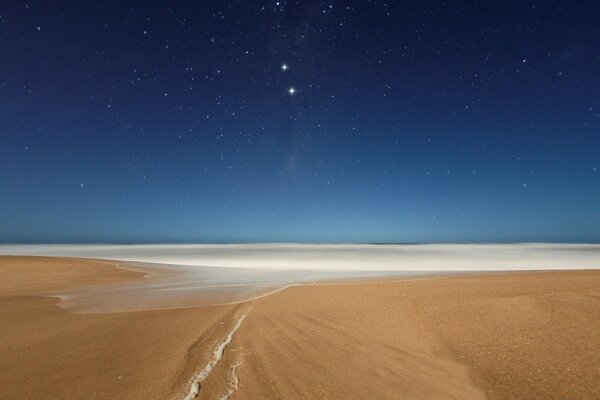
[[502, 336], [493, 335]]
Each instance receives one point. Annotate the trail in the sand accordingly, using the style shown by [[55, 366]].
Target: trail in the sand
[[212, 363]]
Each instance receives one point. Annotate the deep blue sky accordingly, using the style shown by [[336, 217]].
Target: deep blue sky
[[424, 121]]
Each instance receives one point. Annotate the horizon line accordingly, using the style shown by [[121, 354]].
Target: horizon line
[[289, 243]]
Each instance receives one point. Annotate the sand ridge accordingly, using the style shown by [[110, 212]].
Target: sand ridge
[[26, 275]]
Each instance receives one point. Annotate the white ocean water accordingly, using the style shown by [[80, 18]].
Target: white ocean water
[[352, 257], [198, 275]]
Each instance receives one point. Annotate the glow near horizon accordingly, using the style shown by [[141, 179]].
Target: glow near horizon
[[351, 257]]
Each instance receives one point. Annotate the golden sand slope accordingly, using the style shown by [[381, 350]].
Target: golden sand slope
[[30, 275], [502, 336]]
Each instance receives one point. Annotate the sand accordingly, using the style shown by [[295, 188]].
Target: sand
[[48, 353], [496, 336], [506, 336]]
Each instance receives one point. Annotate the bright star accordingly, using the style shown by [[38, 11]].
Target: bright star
[[291, 91], [284, 67]]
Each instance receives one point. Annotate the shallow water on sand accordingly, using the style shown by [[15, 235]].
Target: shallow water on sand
[[173, 286], [183, 275]]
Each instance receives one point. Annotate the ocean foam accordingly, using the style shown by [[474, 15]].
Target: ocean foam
[[212, 362], [353, 257], [234, 382], [202, 275]]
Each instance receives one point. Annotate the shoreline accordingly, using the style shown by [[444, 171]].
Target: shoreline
[[357, 257], [435, 336]]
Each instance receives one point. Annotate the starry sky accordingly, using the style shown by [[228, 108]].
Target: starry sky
[[309, 121]]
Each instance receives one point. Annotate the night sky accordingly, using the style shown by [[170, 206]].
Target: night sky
[[341, 121]]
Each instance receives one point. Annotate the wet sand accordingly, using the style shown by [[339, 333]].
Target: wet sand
[[48, 353], [526, 335]]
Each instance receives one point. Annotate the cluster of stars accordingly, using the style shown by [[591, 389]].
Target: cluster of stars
[[291, 101], [291, 90]]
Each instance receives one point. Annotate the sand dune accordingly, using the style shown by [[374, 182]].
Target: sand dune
[[527, 335]]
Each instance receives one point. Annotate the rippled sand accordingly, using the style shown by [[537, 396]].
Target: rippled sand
[[503, 336]]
